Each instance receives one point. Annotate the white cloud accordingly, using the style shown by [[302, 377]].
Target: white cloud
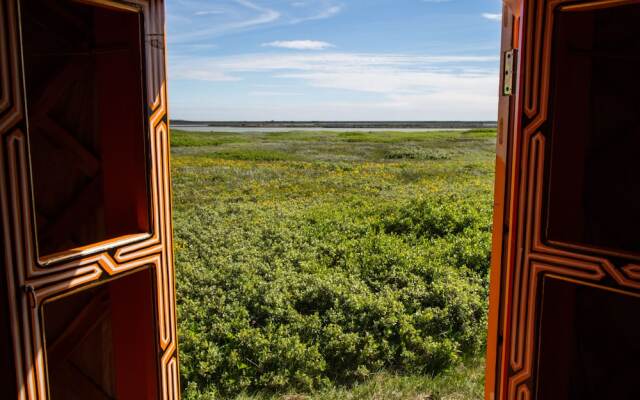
[[299, 44], [434, 107], [438, 87], [266, 93], [330, 62], [390, 81], [492, 17], [179, 72], [263, 16], [192, 21], [208, 12], [326, 13]]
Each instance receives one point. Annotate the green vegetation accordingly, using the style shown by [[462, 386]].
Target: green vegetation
[[337, 265], [462, 382]]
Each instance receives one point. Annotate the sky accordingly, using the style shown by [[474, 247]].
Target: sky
[[297, 60]]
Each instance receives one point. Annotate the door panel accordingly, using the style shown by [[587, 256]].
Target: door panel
[[567, 208], [87, 303]]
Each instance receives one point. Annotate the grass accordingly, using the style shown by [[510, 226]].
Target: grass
[[332, 265], [461, 383]]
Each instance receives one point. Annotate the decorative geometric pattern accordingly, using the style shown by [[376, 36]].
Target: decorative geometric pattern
[[31, 283], [11, 104], [528, 257]]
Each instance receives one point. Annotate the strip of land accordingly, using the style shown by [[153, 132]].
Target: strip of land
[[342, 124]]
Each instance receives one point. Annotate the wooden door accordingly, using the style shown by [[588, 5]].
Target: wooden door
[[565, 280], [87, 303]]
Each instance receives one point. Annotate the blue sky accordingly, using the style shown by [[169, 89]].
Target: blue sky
[[333, 59]]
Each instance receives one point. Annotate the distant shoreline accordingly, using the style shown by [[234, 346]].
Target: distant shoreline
[[341, 124]]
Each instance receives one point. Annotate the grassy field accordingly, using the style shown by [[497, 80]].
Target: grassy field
[[323, 265]]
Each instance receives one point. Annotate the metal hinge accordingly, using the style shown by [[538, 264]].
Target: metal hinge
[[509, 72]]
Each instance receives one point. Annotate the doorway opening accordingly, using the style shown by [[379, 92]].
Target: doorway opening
[[325, 190]]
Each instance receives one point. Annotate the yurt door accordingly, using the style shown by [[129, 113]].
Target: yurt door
[[565, 283], [87, 305]]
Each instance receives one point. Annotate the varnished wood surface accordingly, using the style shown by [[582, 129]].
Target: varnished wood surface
[[522, 253], [31, 283]]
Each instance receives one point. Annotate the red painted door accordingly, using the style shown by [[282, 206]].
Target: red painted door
[[565, 280]]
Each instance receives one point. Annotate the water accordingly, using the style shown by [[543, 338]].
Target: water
[[235, 129]]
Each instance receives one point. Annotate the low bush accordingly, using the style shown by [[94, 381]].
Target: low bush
[[416, 153], [302, 276], [300, 303]]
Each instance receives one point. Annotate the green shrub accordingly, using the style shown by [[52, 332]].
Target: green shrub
[[298, 276], [198, 139], [301, 303], [416, 153]]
